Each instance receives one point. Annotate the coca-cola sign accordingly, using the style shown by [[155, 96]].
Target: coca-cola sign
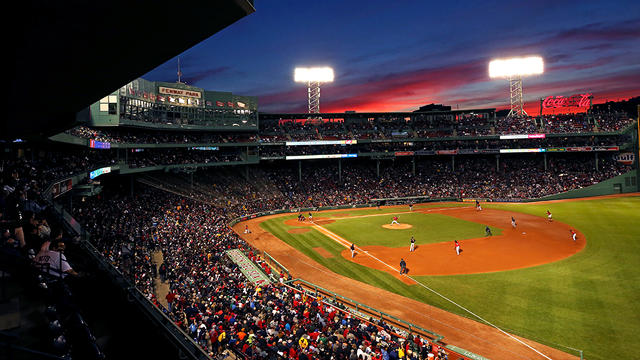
[[577, 100]]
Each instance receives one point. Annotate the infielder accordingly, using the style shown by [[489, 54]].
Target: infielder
[[395, 220], [487, 231], [413, 244], [457, 246], [310, 217], [513, 222], [574, 236], [410, 206], [353, 250], [549, 217]]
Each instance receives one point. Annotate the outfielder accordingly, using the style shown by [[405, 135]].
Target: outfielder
[[549, 217], [413, 244], [395, 220]]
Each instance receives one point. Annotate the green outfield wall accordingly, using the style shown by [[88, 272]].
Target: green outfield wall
[[621, 184]]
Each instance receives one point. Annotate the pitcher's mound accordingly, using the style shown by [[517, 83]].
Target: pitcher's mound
[[397, 226]]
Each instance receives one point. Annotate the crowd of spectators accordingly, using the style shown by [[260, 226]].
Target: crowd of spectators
[[33, 250], [140, 158], [209, 297], [460, 145], [146, 136], [512, 177], [435, 127]]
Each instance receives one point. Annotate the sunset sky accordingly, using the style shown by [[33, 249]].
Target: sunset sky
[[399, 55]]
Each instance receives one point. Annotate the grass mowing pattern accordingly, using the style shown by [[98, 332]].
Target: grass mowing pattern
[[590, 301]]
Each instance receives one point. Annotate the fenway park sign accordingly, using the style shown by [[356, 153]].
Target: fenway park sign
[[577, 100]]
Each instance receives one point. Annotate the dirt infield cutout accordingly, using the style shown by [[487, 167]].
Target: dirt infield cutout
[[298, 230], [322, 251], [397, 226]]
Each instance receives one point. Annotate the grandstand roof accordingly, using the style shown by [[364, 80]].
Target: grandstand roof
[[67, 55]]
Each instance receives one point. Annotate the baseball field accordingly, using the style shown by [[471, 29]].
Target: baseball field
[[531, 280]]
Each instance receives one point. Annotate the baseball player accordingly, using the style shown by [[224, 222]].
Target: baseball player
[[457, 246], [487, 231], [411, 206], [310, 217], [574, 236], [246, 229], [395, 220], [403, 266], [353, 250], [413, 244], [513, 222], [549, 217]]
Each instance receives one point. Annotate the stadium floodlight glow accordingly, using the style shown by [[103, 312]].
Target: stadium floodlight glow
[[318, 74], [514, 69], [313, 77]]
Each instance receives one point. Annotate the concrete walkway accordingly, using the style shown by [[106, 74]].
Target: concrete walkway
[[162, 288]]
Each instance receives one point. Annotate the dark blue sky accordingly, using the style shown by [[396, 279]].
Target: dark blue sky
[[398, 55]]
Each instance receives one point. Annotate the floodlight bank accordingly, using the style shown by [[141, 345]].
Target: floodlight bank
[[315, 74], [516, 67]]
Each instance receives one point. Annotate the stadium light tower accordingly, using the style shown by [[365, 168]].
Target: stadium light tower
[[514, 69], [313, 77]]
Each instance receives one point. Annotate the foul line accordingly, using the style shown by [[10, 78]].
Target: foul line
[[345, 243]]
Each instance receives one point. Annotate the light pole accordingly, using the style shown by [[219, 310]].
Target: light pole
[[313, 77], [515, 69]]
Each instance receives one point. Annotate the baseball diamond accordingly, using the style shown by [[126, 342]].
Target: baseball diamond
[[536, 252]]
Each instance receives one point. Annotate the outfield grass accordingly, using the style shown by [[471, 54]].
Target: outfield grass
[[590, 301]]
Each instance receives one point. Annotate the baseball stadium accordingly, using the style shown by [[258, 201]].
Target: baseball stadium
[[153, 217]]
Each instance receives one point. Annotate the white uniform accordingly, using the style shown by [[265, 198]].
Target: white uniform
[[413, 244], [394, 221], [574, 236]]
